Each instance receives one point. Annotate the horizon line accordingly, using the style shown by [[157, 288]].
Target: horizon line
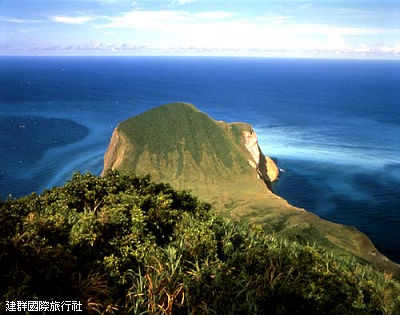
[[208, 56]]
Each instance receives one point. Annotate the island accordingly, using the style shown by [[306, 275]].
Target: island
[[222, 164]]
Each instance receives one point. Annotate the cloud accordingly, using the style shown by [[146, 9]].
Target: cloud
[[72, 19], [363, 48], [273, 18], [214, 15], [305, 5], [225, 30], [329, 30], [95, 48], [184, 1], [18, 21], [149, 20], [390, 49]]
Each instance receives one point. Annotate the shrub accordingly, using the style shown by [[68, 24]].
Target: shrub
[[122, 244]]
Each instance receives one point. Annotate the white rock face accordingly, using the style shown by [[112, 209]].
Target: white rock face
[[115, 152], [251, 144], [272, 169], [264, 165]]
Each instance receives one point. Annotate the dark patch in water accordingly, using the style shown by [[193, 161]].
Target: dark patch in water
[[24, 140]]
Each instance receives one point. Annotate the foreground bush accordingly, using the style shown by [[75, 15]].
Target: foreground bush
[[122, 244]]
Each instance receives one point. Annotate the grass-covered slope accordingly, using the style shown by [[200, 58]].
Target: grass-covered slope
[[185, 147], [177, 141], [121, 244]]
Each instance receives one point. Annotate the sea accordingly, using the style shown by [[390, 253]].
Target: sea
[[332, 126]]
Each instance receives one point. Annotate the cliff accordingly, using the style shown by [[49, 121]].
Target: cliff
[[222, 164], [115, 152], [264, 165]]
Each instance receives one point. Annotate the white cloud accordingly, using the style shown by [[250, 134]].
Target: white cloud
[[321, 29], [390, 49], [214, 15], [226, 31], [305, 5], [273, 18], [18, 21], [223, 30], [72, 19], [149, 20], [363, 48], [184, 1]]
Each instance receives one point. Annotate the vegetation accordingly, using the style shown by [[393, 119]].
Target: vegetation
[[179, 127], [122, 244], [178, 144]]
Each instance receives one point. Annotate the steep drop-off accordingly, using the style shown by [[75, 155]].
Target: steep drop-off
[[223, 165]]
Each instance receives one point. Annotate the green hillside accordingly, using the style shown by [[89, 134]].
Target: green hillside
[[121, 244], [179, 144], [178, 141]]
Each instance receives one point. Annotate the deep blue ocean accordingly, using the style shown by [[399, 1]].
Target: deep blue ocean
[[333, 126]]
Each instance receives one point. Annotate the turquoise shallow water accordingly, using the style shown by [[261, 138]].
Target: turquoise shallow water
[[332, 125]]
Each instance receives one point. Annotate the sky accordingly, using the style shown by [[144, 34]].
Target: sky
[[287, 28]]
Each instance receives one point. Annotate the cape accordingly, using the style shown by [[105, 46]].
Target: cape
[[222, 164]]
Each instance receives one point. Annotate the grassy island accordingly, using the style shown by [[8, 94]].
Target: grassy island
[[222, 164]]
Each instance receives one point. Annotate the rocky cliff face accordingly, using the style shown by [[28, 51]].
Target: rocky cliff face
[[264, 165], [115, 152]]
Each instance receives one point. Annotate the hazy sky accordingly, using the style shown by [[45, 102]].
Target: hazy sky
[[323, 28]]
